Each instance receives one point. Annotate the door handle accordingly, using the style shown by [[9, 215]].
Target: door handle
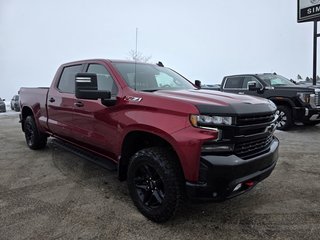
[[240, 92], [52, 100], [78, 104]]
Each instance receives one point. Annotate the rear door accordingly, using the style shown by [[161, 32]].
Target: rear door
[[93, 122], [61, 100]]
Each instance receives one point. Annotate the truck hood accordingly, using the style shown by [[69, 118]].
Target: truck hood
[[216, 102], [294, 88]]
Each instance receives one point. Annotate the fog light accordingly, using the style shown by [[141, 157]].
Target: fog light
[[237, 187], [216, 148]]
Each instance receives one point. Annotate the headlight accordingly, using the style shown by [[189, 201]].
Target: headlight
[[305, 97], [209, 121]]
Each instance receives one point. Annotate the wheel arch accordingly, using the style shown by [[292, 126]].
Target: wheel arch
[[282, 101], [137, 140], [285, 102], [25, 112]]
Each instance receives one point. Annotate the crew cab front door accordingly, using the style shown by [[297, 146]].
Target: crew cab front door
[[240, 85], [94, 124], [245, 86]]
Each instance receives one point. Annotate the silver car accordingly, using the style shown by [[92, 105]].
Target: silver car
[[15, 104]]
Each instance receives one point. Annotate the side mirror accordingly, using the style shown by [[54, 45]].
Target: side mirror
[[87, 87], [197, 83], [252, 85]]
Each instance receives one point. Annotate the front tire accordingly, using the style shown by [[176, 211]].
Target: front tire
[[34, 138], [285, 120], [155, 183]]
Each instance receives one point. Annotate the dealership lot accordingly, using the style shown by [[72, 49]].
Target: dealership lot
[[52, 194]]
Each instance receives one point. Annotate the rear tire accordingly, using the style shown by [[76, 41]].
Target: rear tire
[[34, 138], [155, 183], [285, 120]]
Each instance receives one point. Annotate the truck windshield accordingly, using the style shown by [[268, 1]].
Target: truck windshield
[[275, 80], [148, 77]]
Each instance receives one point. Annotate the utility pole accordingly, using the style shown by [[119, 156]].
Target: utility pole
[[315, 48]]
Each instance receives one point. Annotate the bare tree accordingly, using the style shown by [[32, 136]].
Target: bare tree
[[138, 56]]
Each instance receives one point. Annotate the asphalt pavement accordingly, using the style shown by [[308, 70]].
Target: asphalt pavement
[[53, 194]]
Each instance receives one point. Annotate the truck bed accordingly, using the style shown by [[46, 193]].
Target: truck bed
[[36, 99]]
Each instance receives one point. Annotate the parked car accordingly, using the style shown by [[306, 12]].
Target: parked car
[[2, 105], [296, 103], [15, 103]]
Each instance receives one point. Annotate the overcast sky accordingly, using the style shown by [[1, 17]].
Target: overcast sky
[[204, 39]]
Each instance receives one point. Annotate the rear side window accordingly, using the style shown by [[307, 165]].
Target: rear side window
[[234, 82], [67, 79]]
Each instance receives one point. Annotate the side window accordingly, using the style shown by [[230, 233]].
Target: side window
[[67, 79], [234, 82], [105, 81], [250, 79]]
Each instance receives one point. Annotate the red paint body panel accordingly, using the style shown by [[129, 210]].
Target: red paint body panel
[[102, 129]]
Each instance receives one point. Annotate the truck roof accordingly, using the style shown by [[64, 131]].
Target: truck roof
[[105, 60], [251, 74]]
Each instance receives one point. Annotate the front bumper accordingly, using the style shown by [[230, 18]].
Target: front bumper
[[224, 177], [307, 114]]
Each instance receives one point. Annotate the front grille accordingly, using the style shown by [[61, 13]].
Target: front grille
[[250, 120], [252, 148]]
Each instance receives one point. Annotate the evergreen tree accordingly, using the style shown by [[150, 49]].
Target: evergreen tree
[[299, 77]]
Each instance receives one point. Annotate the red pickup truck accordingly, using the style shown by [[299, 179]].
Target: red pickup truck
[[167, 138]]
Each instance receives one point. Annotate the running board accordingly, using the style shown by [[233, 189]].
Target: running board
[[102, 162]]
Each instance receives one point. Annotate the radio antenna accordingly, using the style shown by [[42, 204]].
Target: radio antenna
[[135, 61]]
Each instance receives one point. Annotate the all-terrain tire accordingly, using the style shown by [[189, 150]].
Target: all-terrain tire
[[156, 183], [34, 138], [285, 120]]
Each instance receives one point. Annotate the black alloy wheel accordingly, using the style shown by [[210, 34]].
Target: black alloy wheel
[[34, 138], [149, 186], [156, 183], [29, 133]]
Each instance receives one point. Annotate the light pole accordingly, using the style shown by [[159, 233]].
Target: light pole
[[315, 37]]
